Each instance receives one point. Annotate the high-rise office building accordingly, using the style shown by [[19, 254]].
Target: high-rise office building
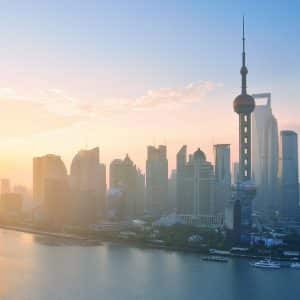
[[244, 105], [141, 192], [156, 180], [223, 176], [172, 192], [288, 174], [50, 188], [204, 185], [265, 155], [88, 185], [125, 176], [195, 184], [181, 160]]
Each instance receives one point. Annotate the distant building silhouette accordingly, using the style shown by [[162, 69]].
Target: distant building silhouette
[[288, 174], [223, 176], [156, 180], [265, 156], [88, 186], [125, 176], [172, 192], [204, 185], [5, 186], [50, 188], [27, 203], [11, 204], [181, 177], [195, 183]]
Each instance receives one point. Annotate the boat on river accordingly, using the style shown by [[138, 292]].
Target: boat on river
[[215, 258], [295, 265], [266, 264]]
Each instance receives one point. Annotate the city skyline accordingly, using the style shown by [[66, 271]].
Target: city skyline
[[139, 159], [90, 101]]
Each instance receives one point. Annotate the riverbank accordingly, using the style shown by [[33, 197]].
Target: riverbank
[[134, 243], [51, 234]]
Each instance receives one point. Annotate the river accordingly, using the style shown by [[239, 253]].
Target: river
[[34, 267]]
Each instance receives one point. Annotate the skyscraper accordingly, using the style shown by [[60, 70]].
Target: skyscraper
[[223, 176], [244, 105], [172, 192], [87, 184], [265, 155], [288, 174], [125, 176], [157, 180], [50, 188], [204, 185], [195, 184], [181, 158]]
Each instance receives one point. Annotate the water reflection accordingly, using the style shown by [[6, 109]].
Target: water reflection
[[38, 267]]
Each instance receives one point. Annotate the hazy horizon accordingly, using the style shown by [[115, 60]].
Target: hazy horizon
[[125, 76]]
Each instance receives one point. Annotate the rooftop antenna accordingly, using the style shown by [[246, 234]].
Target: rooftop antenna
[[244, 69]]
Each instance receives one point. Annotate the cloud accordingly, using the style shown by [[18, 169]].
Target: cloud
[[59, 102], [51, 109], [23, 118], [164, 97], [191, 93]]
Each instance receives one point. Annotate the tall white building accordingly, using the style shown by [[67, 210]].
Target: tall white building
[[288, 174], [265, 155]]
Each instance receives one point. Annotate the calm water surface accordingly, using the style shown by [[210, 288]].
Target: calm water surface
[[39, 268]]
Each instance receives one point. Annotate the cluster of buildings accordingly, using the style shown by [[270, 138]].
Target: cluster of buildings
[[198, 192], [271, 185], [77, 197]]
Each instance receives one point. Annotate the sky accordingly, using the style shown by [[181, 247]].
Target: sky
[[122, 75]]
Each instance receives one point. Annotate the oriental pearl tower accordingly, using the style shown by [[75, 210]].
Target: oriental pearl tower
[[245, 189], [244, 105]]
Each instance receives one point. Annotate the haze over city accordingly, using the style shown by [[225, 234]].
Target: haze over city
[[149, 150], [123, 75]]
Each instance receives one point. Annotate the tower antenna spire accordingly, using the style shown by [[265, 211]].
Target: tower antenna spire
[[243, 34], [244, 70]]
